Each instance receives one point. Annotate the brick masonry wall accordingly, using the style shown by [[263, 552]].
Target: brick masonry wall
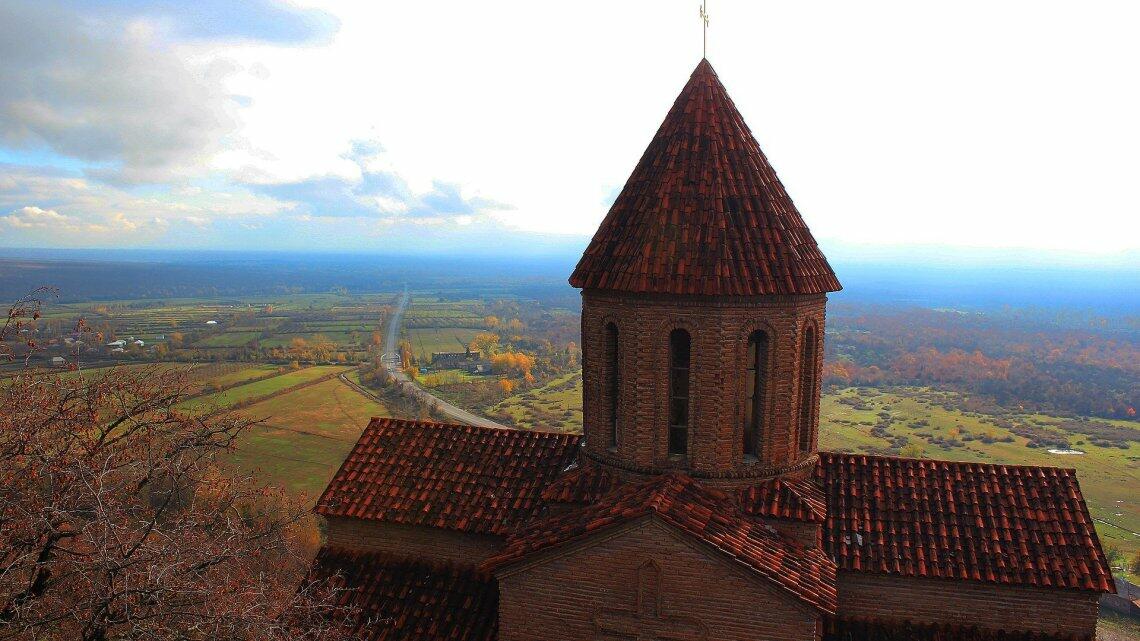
[[719, 328], [867, 595], [411, 541], [593, 589]]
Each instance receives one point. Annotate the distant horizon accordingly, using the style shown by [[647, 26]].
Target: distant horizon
[[918, 278], [555, 246]]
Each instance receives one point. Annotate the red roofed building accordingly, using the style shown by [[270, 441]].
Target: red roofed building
[[696, 505]]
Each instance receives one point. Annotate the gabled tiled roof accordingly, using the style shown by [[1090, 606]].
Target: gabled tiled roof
[[783, 499], [707, 515], [457, 477], [704, 213], [581, 485], [994, 523], [391, 599]]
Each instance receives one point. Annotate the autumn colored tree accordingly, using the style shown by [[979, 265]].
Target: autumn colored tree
[[516, 363], [117, 521], [407, 357], [299, 348], [486, 343], [506, 386]]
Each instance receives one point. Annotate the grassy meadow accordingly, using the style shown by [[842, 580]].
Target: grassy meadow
[[262, 388], [558, 404], [428, 340], [305, 434]]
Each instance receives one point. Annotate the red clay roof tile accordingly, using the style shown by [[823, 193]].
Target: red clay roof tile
[[945, 519], [784, 499], [581, 485], [708, 515], [393, 599], [457, 477], [704, 213]]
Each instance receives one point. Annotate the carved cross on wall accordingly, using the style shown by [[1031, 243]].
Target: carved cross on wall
[[645, 621]]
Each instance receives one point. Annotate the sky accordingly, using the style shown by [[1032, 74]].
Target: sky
[[915, 128]]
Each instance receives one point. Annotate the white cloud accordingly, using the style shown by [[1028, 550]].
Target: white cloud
[[108, 92], [37, 218], [890, 122]]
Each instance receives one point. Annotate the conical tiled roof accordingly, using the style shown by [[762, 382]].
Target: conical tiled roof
[[704, 213]]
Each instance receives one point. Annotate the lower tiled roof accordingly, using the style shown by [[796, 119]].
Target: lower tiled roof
[[389, 599], [799, 500], [708, 515], [943, 519], [582, 484], [457, 477]]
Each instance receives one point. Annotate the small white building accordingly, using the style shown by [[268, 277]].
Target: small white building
[[119, 343], [211, 322], [139, 343], [58, 361]]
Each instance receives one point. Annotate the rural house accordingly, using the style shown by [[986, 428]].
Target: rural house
[[696, 505]]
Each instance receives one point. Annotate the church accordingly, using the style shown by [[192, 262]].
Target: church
[[696, 505]]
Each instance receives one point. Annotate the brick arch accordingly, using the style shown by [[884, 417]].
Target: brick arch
[[662, 337], [804, 361], [740, 364], [593, 335]]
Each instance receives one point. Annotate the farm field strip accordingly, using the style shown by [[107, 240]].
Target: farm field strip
[[443, 339], [556, 405], [305, 435], [262, 388]]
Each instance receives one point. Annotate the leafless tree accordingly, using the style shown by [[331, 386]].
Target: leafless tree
[[119, 520]]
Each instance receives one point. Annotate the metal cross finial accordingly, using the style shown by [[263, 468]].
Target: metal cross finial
[[705, 33]]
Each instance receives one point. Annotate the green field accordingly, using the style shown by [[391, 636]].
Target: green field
[[261, 322], [241, 374], [558, 404], [1115, 627], [227, 339], [258, 389], [439, 339], [305, 435], [343, 338]]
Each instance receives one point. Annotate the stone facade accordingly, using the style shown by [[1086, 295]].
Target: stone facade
[[645, 579], [410, 541], [719, 328], [863, 595]]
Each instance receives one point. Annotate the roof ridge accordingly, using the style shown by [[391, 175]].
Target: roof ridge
[[419, 422], [1068, 470]]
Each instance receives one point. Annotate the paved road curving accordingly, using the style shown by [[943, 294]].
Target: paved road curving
[[391, 360]]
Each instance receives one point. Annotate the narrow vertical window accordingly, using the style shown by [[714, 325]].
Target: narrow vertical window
[[612, 382], [807, 387], [755, 388], [679, 347]]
